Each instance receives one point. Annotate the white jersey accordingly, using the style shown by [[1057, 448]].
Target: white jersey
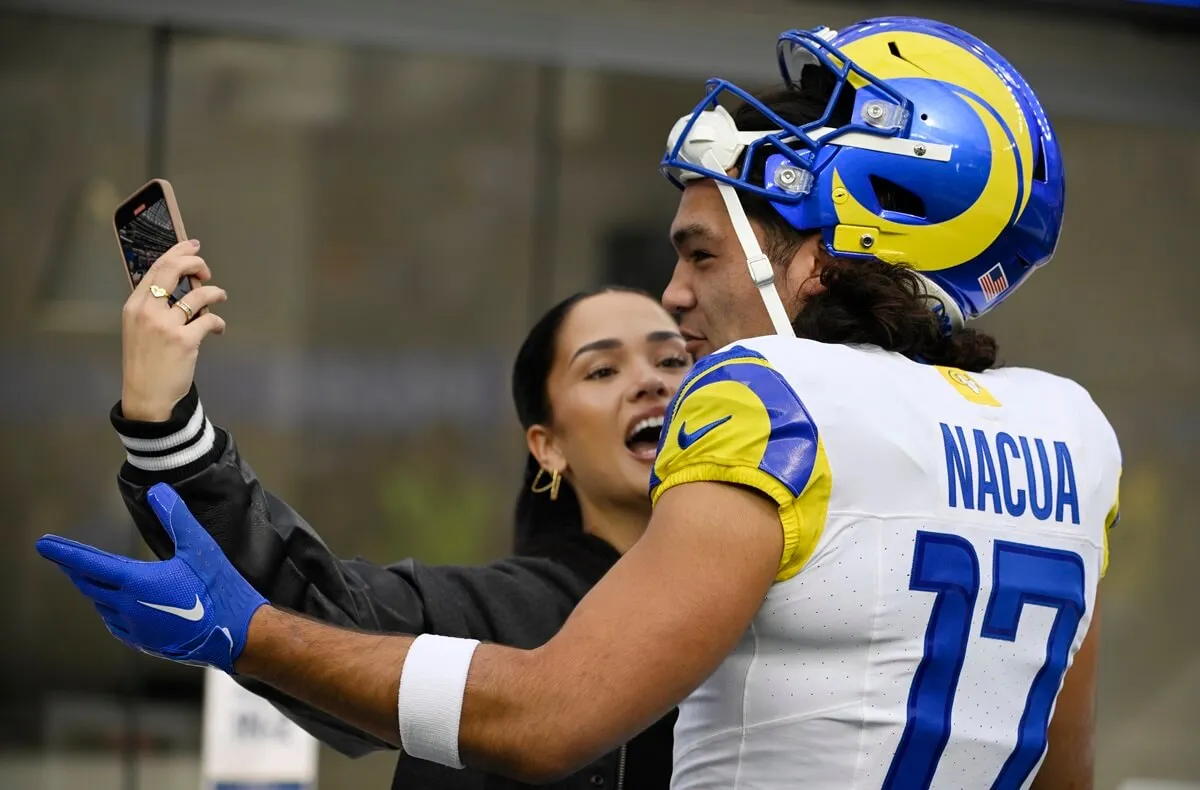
[[944, 537]]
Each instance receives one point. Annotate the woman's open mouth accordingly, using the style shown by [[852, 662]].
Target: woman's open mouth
[[642, 437]]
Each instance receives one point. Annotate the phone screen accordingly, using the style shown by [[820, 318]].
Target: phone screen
[[146, 231]]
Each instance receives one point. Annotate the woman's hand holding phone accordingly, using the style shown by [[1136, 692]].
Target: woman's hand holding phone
[[161, 341]]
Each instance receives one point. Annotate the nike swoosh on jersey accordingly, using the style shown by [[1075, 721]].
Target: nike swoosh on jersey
[[194, 614], [686, 439]]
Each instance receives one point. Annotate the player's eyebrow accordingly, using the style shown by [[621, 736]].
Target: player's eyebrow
[[690, 232], [609, 343]]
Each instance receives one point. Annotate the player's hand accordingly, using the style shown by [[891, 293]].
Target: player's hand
[[193, 608], [159, 344]]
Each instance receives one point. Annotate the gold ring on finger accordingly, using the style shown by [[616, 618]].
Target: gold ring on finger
[[186, 308], [157, 291]]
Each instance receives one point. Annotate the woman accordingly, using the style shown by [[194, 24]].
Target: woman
[[591, 383]]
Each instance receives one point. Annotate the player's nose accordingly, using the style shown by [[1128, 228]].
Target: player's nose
[[678, 296]]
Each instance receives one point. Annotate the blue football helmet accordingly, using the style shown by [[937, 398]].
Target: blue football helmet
[[920, 109]]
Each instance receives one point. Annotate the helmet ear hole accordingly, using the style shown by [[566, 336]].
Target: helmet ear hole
[[898, 199]]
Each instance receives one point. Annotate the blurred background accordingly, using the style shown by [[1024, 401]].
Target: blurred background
[[392, 191]]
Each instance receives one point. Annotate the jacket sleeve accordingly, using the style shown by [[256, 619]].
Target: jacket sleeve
[[520, 602]]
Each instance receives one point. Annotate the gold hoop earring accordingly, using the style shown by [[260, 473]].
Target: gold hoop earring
[[540, 488]]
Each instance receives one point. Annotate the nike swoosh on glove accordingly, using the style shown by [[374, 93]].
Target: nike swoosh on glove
[[193, 608]]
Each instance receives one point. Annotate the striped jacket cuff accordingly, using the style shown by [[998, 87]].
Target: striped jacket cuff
[[172, 450]]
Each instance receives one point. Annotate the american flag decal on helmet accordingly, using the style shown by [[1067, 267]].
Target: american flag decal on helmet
[[993, 282]]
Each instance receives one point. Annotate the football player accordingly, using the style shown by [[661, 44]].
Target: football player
[[874, 558]]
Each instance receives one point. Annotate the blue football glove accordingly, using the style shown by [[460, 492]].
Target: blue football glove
[[193, 608]]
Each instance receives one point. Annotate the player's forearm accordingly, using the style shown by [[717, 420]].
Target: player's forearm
[[352, 675], [514, 720]]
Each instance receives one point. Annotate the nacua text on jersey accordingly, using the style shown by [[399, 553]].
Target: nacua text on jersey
[[1005, 473]]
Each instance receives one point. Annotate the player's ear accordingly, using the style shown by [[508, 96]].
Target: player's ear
[[802, 278], [542, 446]]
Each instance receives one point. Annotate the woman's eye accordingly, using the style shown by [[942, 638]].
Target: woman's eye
[[675, 362], [699, 255], [601, 373]]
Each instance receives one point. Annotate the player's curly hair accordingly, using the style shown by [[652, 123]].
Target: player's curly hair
[[864, 302]]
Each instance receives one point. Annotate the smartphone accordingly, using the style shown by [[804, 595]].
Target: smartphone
[[148, 224]]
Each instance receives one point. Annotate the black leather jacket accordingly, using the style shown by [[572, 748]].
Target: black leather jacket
[[519, 601]]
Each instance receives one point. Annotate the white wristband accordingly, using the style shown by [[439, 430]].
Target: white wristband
[[429, 708]]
